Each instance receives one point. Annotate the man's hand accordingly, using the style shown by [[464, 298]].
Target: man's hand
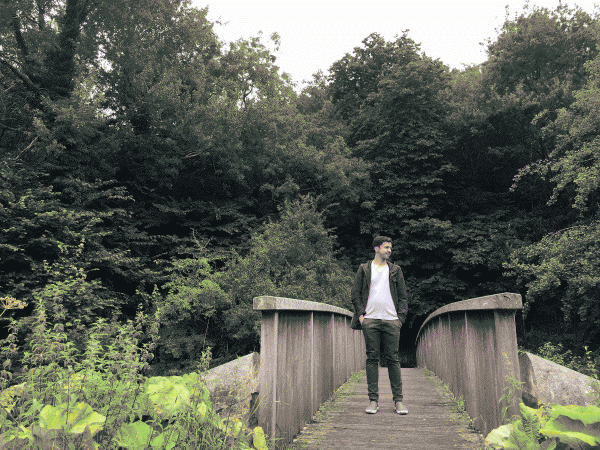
[[361, 318]]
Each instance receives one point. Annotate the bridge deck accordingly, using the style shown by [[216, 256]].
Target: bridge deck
[[430, 424]]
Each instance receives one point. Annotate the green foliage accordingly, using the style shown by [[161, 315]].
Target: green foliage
[[556, 353], [540, 47], [127, 127], [562, 269], [574, 425], [551, 427], [355, 77], [100, 399], [511, 392], [293, 257], [190, 313], [572, 166], [252, 73], [512, 116]]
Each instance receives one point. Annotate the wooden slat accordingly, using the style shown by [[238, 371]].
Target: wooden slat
[[430, 423]]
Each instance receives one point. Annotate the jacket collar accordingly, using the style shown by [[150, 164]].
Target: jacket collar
[[393, 267]]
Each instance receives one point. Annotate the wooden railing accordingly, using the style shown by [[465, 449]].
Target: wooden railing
[[472, 346], [308, 350]]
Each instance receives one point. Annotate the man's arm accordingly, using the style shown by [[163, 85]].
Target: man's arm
[[402, 297], [356, 292]]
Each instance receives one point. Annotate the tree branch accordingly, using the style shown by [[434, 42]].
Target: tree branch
[[28, 147], [4, 127], [27, 82], [16, 24], [41, 11]]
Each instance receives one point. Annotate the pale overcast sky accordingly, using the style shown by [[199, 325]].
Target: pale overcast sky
[[316, 34]]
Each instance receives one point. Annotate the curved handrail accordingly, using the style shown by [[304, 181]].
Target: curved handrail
[[267, 303], [496, 301]]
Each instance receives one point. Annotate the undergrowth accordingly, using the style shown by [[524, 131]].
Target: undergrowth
[[99, 398]]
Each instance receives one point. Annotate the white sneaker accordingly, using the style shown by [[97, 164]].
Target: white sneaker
[[400, 409], [372, 408]]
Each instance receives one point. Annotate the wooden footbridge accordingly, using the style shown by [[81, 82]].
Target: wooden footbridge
[[308, 352]]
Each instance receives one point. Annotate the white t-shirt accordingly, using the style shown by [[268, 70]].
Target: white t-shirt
[[380, 304]]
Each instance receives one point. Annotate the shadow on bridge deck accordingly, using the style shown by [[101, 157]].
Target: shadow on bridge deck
[[430, 424]]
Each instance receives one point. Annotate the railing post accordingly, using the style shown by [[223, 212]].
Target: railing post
[[268, 369]]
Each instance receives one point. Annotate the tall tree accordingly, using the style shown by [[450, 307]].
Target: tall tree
[[560, 270], [392, 99], [542, 48], [357, 75]]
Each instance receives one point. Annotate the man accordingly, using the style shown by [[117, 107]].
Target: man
[[380, 308]]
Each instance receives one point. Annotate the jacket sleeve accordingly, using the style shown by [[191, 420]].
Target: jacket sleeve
[[402, 297], [356, 292]]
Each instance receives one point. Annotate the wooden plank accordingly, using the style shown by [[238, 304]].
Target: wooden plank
[[430, 424]]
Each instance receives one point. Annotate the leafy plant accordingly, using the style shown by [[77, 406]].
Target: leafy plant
[[513, 386], [547, 428], [100, 398]]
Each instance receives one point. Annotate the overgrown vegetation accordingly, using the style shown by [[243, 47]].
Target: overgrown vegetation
[[99, 398], [548, 428]]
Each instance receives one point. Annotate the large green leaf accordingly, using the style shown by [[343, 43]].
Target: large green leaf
[[165, 440], [169, 395], [8, 397], [258, 438], [137, 435], [134, 436], [499, 438], [73, 418], [577, 426]]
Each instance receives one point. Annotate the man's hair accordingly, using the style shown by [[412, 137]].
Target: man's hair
[[379, 240]]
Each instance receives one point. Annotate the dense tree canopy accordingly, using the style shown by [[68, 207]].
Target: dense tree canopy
[[144, 164]]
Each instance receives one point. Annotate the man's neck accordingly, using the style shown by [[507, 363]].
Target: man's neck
[[380, 262]]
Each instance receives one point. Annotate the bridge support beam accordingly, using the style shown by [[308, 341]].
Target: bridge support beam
[[308, 350], [472, 346]]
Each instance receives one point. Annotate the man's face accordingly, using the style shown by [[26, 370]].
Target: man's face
[[385, 250]]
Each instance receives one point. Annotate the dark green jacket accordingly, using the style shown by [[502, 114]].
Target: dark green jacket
[[360, 292]]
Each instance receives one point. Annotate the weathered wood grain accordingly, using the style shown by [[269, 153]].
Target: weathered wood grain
[[472, 346], [430, 423], [307, 351]]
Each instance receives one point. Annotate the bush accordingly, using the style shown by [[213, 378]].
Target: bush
[[291, 257], [586, 363]]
